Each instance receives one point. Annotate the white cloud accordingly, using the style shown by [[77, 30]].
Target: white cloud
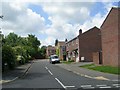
[[21, 20], [97, 20], [66, 19], [48, 41], [62, 0], [68, 11]]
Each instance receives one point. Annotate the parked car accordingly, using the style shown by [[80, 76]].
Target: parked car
[[54, 59]]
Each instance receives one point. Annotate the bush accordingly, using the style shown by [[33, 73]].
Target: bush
[[8, 57]]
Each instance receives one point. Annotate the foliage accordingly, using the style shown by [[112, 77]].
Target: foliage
[[56, 42], [57, 52], [66, 40], [23, 48], [12, 39], [33, 41], [8, 57], [41, 52]]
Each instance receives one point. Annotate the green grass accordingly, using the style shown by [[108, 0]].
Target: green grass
[[106, 69], [68, 62]]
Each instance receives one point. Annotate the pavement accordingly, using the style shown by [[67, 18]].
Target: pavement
[[74, 67], [18, 72]]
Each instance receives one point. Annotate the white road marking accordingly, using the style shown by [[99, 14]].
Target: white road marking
[[60, 83], [46, 68], [15, 78], [106, 87], [86, 85], [69, 86], [116, 84], [115, 80], [82, 75], [101, 85], [74, 71], [68, 69], [50, 72], [88, 76]]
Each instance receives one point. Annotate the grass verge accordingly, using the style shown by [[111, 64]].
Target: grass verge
[[68, 62], [106, 69]]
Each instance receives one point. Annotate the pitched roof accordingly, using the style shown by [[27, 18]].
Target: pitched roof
[[113, 9]]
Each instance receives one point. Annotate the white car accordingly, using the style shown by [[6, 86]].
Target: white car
[[54, 59]]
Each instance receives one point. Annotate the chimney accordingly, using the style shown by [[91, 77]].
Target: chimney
[[80, 31]]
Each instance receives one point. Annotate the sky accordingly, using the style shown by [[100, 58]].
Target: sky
[[53, 19]]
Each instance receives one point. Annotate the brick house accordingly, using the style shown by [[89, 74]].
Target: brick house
[[82, 47], [110, 32], [89, 42], [61, 50], [50, 50], [72, 47]]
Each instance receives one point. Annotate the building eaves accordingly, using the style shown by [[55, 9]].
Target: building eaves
[[72, 39], [90, 30], [113, 8]]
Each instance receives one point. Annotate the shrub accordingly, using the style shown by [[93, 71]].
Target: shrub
[[8, 57]]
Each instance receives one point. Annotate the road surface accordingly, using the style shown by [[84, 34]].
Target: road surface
[[43, 75]]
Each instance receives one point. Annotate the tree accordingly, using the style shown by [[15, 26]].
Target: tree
[[25, 47], [1, 38], [34, 44], [66, 40], [8, 57], [56, 42], [12, 39], [33, 41], [43, 51], [57, 51]]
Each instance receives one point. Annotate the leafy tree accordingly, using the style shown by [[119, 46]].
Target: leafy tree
[[66, 40], [8, 57], [2, 39], [12, 39], [21, 48], [57, 52], [22, 41], [33, 41], [56, 42], [43, 51], [34, 44]]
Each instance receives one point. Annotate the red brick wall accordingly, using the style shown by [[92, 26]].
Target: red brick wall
[[96, 57], [109, 32], [89, 42], [71, 46], [50, 51]]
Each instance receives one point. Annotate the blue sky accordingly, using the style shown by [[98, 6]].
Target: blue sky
[[38, 9], [98, 7], [53, 20]]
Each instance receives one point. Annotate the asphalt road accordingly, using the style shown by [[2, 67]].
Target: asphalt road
[[43, 75]]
